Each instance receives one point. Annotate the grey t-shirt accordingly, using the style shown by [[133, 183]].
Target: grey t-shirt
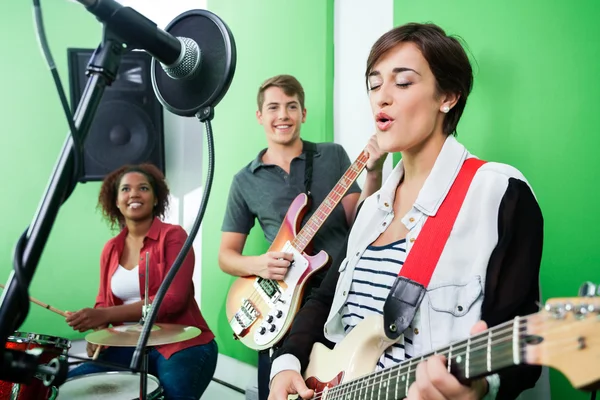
[[265, 192]]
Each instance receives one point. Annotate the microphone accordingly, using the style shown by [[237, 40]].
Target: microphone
[[193, 63], [193, 59], [180, 57]]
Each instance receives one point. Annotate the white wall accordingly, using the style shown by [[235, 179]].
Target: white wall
[[183, 139], [354, 34], [162, 12], [353, 125], [357, 24], [355, 31]]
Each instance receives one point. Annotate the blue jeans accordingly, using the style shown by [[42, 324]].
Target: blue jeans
[[184, 376]]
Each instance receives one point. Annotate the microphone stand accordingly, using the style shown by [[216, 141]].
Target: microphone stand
[[14, 303], [145, 309]]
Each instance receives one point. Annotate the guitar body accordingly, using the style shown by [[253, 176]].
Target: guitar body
[[565, 336], [355, 356], [261, 311]]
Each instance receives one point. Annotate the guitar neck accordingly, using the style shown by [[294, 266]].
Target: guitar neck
[[480, 355], [315, 222]]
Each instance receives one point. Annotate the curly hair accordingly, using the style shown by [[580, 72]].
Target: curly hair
[[107, 199]]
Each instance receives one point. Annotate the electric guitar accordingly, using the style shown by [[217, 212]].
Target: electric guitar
[[260, 311], [565, 336]]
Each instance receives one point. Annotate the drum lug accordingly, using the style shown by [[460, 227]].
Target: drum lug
[[54, 394], [16, 388]]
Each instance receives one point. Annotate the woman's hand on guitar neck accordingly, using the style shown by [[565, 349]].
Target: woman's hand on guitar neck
[[436, 383], [273, 265], [289, 382]]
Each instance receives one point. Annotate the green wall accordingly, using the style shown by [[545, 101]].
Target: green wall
[[33, 132], [533, 106], [35, 129], [271, 39]]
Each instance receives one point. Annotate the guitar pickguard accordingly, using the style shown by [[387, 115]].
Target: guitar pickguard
[[260, 311], [278, 298]]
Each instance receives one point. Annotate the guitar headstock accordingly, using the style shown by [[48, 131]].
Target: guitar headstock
[[565, 335]]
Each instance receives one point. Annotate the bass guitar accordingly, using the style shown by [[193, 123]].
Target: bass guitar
[[260, 311]]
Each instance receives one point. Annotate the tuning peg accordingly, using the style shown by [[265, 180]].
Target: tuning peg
[[582, 310], [559, 310], [589, 289]]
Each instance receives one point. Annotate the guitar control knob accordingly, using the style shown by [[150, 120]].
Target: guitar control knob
[[273, 327], [279, 314], [270, 319], [262, 330]]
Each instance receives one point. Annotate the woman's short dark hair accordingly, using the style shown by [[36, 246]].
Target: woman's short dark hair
[[445, 55], [107, 199]]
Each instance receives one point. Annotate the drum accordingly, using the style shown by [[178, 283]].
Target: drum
[[52, 347], [112, 385]]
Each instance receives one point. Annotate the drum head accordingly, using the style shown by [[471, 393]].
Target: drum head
[[39, 339], [107, 385]]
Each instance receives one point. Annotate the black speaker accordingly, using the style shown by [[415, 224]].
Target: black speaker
[[128, 125]]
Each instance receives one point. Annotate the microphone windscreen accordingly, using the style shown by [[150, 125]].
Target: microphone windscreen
[[217, 65]]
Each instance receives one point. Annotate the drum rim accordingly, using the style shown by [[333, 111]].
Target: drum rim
[[39, 338], [156, 391]]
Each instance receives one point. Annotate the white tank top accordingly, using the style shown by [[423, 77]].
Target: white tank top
[[125, 284]]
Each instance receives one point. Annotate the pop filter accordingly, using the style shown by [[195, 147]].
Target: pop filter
[[210, 81], [192, 68]]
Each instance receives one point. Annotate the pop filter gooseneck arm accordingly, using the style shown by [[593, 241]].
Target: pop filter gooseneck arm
[[195, 96], [184, 89]]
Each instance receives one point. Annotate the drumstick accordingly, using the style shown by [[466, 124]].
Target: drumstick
[[46, 306], [96, 352]]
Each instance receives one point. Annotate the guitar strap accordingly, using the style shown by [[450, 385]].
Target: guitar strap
[[411, 284], [310, 149]]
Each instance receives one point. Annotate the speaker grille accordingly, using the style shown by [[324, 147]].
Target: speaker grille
[[121, 134], [128, 125]]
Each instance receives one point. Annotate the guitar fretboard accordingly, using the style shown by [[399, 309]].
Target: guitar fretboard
[[311, 227], [478, 356]]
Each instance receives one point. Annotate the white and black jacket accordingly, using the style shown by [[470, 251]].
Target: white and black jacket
[[488, 270]]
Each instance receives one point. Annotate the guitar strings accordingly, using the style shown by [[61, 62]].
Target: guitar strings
[[409, 366], [255, 295], [355, 168], [321, 212], [478, 338], [334, 395], [505, 359], [401, 369]]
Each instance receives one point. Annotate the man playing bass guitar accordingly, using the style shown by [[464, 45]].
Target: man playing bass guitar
[[265, 188]]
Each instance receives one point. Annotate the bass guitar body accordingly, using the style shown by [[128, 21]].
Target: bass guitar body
[[260, 311]]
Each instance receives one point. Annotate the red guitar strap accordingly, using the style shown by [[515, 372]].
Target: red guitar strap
[[410, 286]]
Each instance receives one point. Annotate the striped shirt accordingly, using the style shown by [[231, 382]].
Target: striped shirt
[[373, 278]]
